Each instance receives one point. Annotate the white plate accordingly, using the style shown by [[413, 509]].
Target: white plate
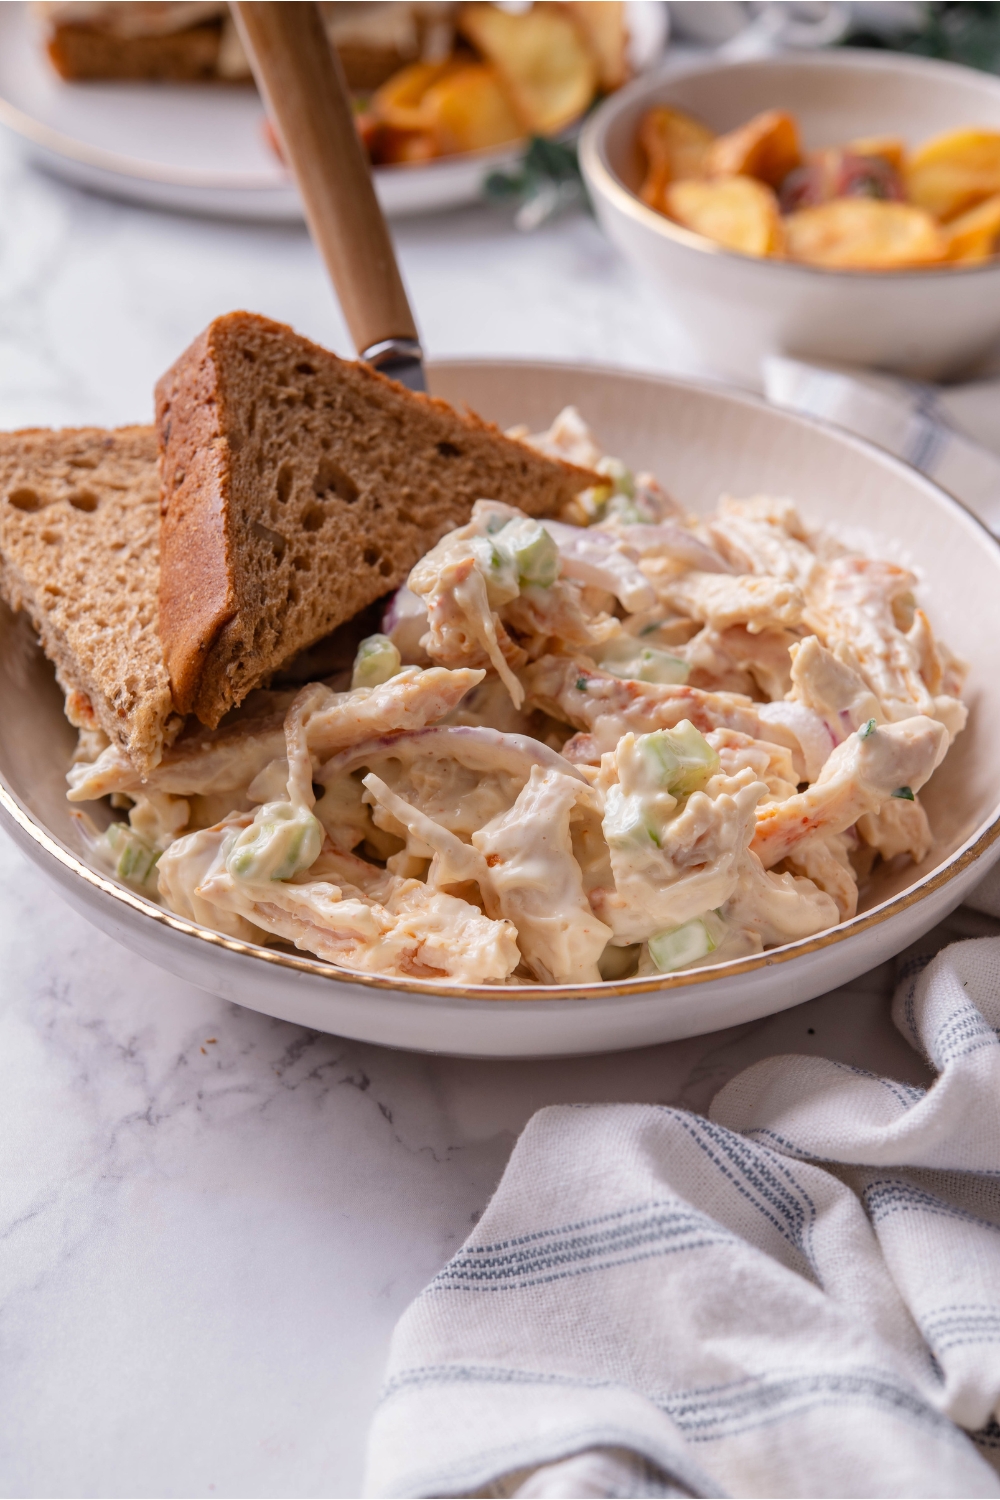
[[199, 148], [701, 441]]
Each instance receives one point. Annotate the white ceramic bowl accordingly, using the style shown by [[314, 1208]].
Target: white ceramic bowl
[[737, 308], [701, 441]]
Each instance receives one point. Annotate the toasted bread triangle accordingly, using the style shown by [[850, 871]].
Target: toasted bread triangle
[[79, 551], [297, 488]]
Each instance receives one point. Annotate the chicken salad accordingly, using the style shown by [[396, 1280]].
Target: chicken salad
[[622, 741]]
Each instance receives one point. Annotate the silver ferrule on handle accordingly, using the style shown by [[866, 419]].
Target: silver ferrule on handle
[[399, 359]]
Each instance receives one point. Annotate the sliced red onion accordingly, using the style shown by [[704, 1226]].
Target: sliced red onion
[[404, 622], [676, 540], [813, 736], [478, 748], [602, 560]]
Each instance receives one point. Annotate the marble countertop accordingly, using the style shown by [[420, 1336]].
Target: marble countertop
[[211, 1220]]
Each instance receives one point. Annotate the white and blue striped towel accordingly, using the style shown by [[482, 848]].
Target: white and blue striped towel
[[799, 1295], [949, 433]]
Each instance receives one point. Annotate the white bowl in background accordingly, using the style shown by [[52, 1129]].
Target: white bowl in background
[[700, 440], [738, 308]]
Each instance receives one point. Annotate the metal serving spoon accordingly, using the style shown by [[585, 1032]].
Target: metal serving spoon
[[302, 83]]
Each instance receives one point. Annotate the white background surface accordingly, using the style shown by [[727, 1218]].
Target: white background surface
[[210, 1221]]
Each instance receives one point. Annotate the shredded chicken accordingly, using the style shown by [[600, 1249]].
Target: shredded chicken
[[722, 600], [671, 863], [606, 707], [644, 743], [765, 537], [778, 908], [861, 774], [852, 607], [831, 685], [772, 764], [734, 660], [826, 862], [230, 757], [538, 883], [192, 860], [899, 827], [405, 929]]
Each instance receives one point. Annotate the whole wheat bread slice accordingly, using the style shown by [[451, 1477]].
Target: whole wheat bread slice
[[86, 53], [296, 489], [79, 551]]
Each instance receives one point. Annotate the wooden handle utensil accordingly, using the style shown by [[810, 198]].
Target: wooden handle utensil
[[301, 80]]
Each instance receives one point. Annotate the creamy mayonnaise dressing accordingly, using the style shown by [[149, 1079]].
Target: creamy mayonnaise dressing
[[624, 740]]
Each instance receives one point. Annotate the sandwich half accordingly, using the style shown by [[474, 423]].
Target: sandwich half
[[79, 552], [293, 489], [297, 488]]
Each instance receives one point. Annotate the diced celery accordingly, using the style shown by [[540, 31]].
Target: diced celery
[[624, 511], [627, 825], [594, 501], [660, 666], [626, 657], [281, 841], [679, 947], [498, 569], [867, 730], [377, 660], [633, 510], [682, 757], [535, 556], [621, 477], [134, 859]]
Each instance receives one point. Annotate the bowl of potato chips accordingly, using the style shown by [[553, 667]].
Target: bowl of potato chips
[[839, 205]]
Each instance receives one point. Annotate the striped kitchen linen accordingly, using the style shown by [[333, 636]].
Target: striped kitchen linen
[[798, 1295], [950, 433]]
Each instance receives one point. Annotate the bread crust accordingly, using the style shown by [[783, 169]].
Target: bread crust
[[197, 594], [91, 49], [297, 488], [79, 547], [79, 53]]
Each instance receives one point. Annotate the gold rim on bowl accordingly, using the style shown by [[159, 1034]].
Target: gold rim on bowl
[[967, 854]]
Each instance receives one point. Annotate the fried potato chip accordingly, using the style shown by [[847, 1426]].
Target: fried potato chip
[[766, 147], [864, 234], [889, 147], [675, 145], [467, 110], [540, 58], [390, 146], [954, 172], [399, 101], [738, 212], [602, 24], [973, 235]]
